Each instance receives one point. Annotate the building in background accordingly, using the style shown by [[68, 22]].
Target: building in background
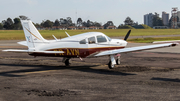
[[165, 18], [174, 20], [148, 19], [178, 14]]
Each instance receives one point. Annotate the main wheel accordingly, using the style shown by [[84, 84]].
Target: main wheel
[[68, 62], [118, 62], [110, 65]]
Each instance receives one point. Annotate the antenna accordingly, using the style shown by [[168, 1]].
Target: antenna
[[76, 18], [67, 34]]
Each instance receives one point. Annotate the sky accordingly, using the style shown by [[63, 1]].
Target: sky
[[95, 10]]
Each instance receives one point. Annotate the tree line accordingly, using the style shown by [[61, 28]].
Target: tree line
[[15, 24], [67, 22], [10, 24]]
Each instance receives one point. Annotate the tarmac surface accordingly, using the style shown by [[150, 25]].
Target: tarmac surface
[[148, 75]]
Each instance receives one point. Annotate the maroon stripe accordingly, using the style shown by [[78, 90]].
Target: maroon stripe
[[75, 52]]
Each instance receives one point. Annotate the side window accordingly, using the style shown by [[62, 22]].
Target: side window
[[83, 41], [91, 40], [101, 38]]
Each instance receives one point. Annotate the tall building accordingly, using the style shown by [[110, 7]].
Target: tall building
[[148, 19], [165, 18], [174, 20], [178, 14]]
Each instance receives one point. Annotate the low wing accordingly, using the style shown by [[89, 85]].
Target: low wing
[[133, 49], [27, 51], [172, 41]]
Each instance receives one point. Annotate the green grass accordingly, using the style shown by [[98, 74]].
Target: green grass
[[150, 40], [47, 34], [11, 35]]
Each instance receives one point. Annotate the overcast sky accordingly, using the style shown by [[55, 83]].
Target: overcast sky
[[94, 10]]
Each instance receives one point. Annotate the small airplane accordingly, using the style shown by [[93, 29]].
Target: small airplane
[[86, 45]]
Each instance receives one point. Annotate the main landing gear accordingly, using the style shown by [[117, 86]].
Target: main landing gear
[[114, 62], [67, 61]]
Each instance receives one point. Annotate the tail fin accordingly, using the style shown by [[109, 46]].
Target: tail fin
[[32, 35]]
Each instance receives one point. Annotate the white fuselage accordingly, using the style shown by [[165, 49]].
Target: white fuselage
[[82, 45]]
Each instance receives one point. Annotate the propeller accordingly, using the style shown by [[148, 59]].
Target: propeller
[[127, 35]]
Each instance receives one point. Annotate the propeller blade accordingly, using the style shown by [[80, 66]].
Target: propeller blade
[[127, 35]]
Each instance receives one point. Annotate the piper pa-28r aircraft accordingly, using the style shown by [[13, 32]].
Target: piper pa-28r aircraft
[[90, 44]]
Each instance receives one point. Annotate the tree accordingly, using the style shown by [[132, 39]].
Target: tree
[[63, 22], [125, 27], [88, 23], [17, 21], [47, 23], [97, 24], [84, 23], [69, 21], [1, 26], [17, 24], [157, 21], [8, 24], [79, 22], [109, 23], [37, 25], [56, 23], [128, 21]]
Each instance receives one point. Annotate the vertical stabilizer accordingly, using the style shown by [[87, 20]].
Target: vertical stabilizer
[[32, 35]]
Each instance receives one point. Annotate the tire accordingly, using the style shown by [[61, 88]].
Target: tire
[[118, 62], [68, 62], [110, 65]]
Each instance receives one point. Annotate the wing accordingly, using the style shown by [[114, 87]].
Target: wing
[[27, 51], [172, 41], [133, 49]]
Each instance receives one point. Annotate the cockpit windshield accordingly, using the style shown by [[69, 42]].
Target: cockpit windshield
[[109, 38]]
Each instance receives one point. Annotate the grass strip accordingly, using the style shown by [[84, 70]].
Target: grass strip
[[150, 39], [47, 34]]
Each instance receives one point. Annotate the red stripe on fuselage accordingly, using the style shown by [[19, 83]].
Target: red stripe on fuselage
[[75, 52]]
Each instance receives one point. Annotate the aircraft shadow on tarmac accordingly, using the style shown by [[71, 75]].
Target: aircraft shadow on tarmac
[[166, 79], [36, 68]]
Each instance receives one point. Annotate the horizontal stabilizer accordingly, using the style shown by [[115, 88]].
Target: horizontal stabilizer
[[133, 49], [27, 51], [24, 43]]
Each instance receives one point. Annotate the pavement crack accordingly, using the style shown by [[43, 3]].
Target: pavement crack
[[59, 92]]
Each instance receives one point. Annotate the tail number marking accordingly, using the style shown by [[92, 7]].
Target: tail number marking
[[68, 52]]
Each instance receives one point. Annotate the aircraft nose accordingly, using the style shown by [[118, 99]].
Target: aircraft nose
[[119, 42], [122, 43]]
